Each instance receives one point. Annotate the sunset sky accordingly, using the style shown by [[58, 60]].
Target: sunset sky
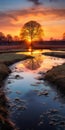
[[49, 13]]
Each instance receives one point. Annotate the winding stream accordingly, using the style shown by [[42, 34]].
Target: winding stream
[[35, 104]]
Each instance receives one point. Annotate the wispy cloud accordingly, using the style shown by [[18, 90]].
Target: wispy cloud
[[53, 0], [15, 19], [47, 12], [35, 2], [4, 15], [51, 19]]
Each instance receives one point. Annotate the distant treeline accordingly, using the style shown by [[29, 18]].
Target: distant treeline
[[50, 44], [10, 45], [54, 42]]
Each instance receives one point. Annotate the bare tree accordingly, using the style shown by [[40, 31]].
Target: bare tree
[[63, 36], [9, 37], [16, 38], [2, 36], [31, 31], [51, 39]]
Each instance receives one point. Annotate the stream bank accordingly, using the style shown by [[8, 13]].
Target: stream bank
[[5, 61], [59, 54], [57, 76]]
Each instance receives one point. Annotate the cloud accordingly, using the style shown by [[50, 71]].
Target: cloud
[[4, 15], [53, 0], [47, 12], [19, 17], [35, 2], [52, 20]]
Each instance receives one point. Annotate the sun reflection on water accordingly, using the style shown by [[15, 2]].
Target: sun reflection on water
[[39, 62], [33, 52]]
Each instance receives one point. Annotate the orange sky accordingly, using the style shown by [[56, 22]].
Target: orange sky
[[52, 20]]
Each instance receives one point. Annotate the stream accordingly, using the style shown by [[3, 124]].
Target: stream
[[35, 104]]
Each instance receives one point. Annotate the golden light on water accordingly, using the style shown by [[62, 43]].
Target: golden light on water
[[34, 52], [39, 62], [30, 49]]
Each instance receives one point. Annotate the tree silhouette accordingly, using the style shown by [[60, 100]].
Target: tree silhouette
[[31, 31], [51, 39], [34, 63], [9, 38], [2, 36], [16, 38], [63, 36]]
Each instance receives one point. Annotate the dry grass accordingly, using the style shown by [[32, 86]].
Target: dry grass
[[7, 59], [55, 54], [57, 76]]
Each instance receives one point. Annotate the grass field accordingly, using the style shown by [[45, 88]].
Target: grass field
[[7, 59]]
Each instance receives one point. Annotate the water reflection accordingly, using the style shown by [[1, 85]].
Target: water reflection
[[34, 63], [44, 105], [34, 52], [38, 63]]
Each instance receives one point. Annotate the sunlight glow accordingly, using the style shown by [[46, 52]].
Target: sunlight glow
[[34, 52], [30, 49], [29, 40]]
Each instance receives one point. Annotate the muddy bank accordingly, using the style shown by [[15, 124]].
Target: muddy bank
[[5, 122], [5, 61], [57, 76], [55, 54], [4, 65], [4, 71]]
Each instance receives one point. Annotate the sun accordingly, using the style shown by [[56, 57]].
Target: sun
[[29, 40]]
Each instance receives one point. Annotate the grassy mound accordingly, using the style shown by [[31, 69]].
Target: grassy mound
[[7, 59], [55, 54], [4, 71], [57, 76]]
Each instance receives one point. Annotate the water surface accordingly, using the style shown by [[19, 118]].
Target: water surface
[[35, 104]]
